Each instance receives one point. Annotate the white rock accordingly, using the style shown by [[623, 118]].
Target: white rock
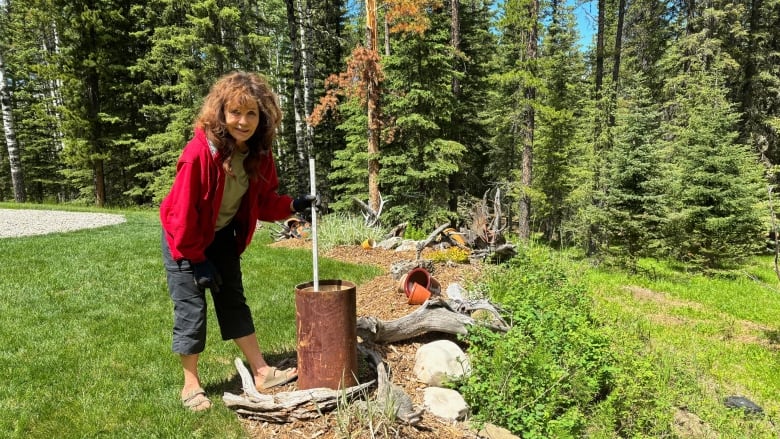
[[438, 361], [491, 431], [407, 245], [390, 243], [455, 291], [445, 403]]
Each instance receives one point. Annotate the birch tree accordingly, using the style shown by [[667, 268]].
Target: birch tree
[[14, 153], [13, 148]]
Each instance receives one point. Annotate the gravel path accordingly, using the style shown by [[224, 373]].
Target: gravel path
[[29, 222]]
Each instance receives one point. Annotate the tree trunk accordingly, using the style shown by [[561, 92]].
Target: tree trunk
[[593, 230], [616, 66], [600, 48], [55, 88], [298, 100], [455, 40], [750, 71], [528, 118], [307, 71], [100, 183], [454, 179], [387, 36], [373, 111], [92, 84], [14, 153]]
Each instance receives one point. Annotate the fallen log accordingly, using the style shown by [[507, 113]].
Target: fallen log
[[435, 315]]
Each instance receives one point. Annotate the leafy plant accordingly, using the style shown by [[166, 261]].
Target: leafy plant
[[552, 367]]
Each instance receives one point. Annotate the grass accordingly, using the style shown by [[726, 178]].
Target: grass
[[339, 229], [714, 337], [85, 340]]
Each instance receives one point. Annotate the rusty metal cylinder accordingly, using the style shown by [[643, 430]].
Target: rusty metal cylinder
[[327, 336]]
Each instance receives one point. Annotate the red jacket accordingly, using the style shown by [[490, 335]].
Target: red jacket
[[189, 212]]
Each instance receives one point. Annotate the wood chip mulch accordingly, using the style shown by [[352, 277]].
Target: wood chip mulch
[[379, 297]]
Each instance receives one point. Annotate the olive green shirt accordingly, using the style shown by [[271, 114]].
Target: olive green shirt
[[235, 188]]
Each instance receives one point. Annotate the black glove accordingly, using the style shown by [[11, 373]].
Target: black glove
[[206, 276], [305, 202]]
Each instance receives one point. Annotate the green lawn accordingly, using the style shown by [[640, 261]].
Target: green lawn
[[713, 337], [86, 333]]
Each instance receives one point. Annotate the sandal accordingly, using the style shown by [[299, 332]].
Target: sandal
[[196, 400], [277, 377]]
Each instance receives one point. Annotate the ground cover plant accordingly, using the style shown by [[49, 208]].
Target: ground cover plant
[[602, 353], [85, 338]]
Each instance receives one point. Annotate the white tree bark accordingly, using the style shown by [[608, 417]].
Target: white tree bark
[[14, 152], [293, 21], [55, 87]]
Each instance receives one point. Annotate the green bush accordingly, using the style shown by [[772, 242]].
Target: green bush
[[414, 233], [543, 376]]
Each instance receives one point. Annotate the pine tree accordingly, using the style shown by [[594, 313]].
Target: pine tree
[[417, 164], [513, 105], [557, 152], [634, 178], [713, 217], [471, 70], [191, 44], [99, 93]]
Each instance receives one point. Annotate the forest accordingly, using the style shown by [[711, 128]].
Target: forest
[[659, 137]]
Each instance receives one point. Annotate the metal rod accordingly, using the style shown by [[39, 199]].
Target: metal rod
[[314, 226]]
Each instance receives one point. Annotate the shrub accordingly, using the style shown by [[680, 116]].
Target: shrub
[[542, 377]]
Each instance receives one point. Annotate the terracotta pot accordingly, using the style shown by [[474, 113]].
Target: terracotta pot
[[419, 294], [416, 275]]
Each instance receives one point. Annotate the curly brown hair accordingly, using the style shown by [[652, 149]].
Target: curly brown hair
[[238, 87]]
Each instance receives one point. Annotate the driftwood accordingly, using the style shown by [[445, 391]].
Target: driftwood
[[400, 268], [391, 398], [427, 241], [286, 406], [435, 315], [502, 253], [398, 230], [370, 216]]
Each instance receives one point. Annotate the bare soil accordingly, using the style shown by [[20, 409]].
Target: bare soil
[[379, 297]]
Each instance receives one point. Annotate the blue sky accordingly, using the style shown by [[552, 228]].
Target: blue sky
[[586, 14]]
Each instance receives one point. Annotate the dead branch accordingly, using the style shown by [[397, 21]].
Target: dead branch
[[389, 395], [435, 315], [370, 216], [285, 406], [427, 241], [396, 231]]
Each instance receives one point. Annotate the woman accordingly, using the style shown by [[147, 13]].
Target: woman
[[225, 182]]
